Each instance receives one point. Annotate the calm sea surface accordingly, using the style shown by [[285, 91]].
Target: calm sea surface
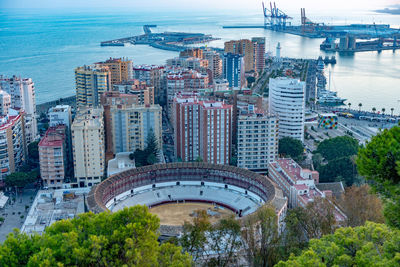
[[47, 46]]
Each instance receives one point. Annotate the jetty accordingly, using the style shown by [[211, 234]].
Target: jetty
[[172, 41]]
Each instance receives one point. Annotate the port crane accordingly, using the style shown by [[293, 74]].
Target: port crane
[[274, 17]]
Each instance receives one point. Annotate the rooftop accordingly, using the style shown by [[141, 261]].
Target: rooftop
[[50, 206], [120, 163], [54, 137]]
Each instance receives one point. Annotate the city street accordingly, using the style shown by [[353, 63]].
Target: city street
[[15, 213]]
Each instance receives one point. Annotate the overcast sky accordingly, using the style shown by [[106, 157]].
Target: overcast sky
[[199, 4], [191, 4]]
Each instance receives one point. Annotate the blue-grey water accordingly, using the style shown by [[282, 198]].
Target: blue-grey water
[[48, 45]]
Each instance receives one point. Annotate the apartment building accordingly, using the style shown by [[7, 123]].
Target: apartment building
[[88, 146], [233, 70], [257, 139], [154, 76], [299, 185], [22, 92], [121, 69], [287, 101], [203, 129], [91, 82], [53, 156], [144, 92], [12, 143]]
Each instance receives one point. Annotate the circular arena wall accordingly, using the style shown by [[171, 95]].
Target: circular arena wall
[[225, 178]]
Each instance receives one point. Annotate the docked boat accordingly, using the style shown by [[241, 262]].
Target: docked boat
[[328, 97]]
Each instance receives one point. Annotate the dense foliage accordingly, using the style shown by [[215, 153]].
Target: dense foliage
[[20, 179], [379, 162], [124, 238], [334, 160], [369, 245], [149, 155], [338, 147], [291, 147]]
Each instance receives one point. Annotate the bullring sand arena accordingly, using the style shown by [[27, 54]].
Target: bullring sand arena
[[177, 213]]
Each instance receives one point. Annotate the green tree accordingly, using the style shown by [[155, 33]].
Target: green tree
[[149, 155], [20, 179], [338, 147], [291, 147], [369, 245], [379, 162], [33, 151], [340, 169], [124, 238]]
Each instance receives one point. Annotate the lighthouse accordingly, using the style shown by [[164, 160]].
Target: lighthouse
[[278, 53]]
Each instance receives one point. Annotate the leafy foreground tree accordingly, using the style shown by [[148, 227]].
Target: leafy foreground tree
[[369, 245], [124, 238], [291, 147], [212, 244], [379, 162], [360, 205]]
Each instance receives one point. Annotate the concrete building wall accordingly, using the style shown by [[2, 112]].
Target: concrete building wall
[[257, 141], [91, 83], [287, 101], [88, 146]]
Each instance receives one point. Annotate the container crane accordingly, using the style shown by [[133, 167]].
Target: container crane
[[275, 18]]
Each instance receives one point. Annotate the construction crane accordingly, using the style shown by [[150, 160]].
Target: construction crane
[[275, 18]]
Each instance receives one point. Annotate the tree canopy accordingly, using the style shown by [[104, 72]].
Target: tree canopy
[[33, 151], [124, 238], [148, 156], [291, 147], [369, 245], [339, 164], [20, 179], [379, 162], [338, 147]]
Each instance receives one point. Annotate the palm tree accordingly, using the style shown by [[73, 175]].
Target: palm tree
[[392, 109], [374, 109], [360, 105], [349, 104], [383, 111]]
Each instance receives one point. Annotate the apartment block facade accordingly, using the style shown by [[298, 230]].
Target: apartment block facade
[[91, 82], [53, 156], [121, 69], [257, 139], [22, 92], [12, 143], [287, 101], [88, 146], [203, 130]]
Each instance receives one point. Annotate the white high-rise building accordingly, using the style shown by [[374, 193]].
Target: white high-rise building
[[286, 100], [88, 146], [5, 102], [60, 114], [22, 92], [257, 139]]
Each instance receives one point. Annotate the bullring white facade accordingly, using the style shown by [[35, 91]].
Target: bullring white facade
[[286, 100]]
